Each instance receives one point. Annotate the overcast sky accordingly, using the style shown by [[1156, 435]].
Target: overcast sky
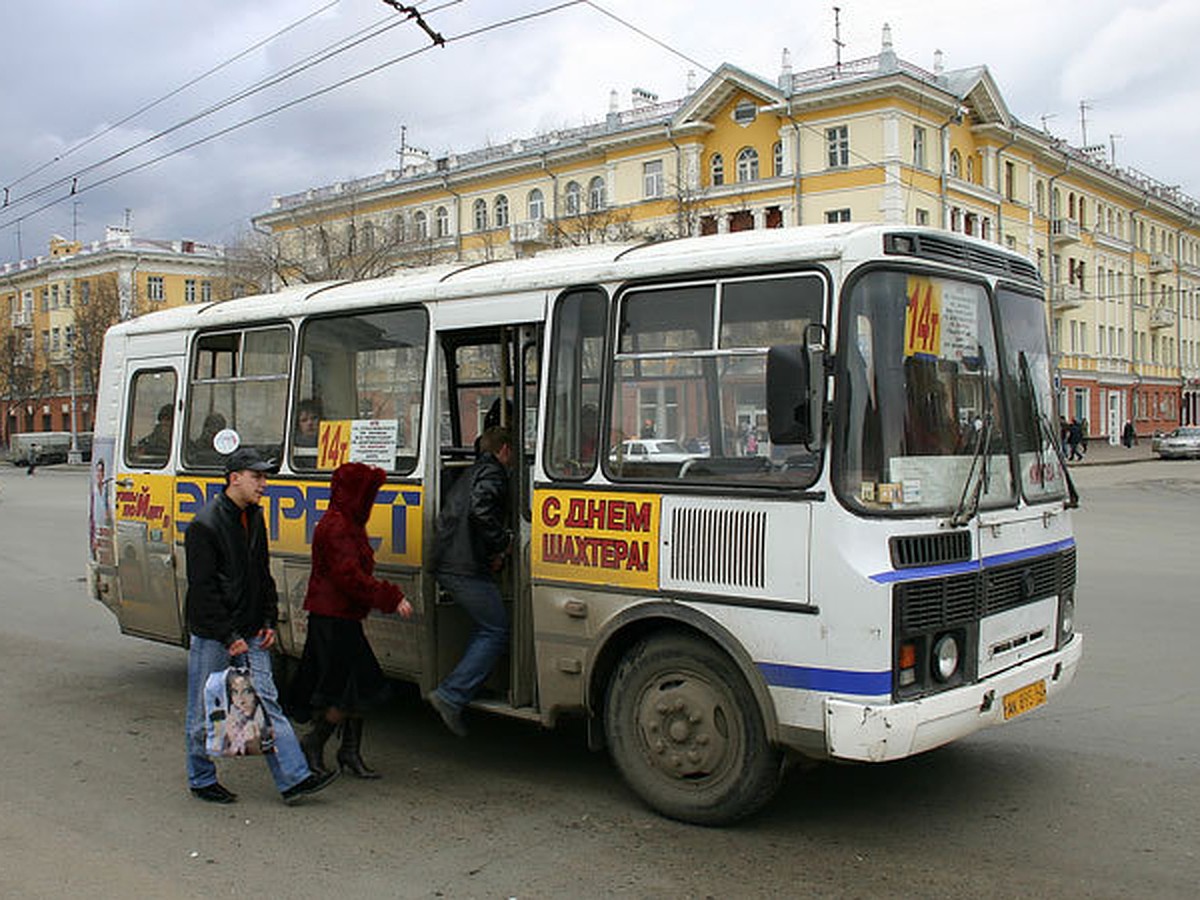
[[76, 72]]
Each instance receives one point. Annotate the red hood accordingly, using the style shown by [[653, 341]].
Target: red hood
[[353, 490]]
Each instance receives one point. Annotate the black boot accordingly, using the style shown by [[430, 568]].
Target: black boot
[[313, 744], [349, 754]]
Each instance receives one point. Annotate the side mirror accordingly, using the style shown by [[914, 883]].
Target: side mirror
[[794, 401]]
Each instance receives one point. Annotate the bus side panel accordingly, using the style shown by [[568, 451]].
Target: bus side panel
[[102, 569]]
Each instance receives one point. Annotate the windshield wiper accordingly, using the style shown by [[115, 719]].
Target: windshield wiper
[[968, 502], [1046, 435]]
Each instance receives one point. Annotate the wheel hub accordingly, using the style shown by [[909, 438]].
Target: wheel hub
[[682, 723]]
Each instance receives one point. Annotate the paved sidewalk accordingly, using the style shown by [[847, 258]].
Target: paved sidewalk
[[1101, 453]]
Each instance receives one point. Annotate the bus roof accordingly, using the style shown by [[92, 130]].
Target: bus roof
[[550, 269]]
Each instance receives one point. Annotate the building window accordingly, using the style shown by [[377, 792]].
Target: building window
[[442, 218], [918, 147], [398, 228], [970, 168], [189, 290], [368, 236], [1039, 198], [837, 141], [777, 159], [716, 169], [922, 216], [745, 113], [837, 215], [206, 292], [537, 205], [747, 164], [596, 198], [421, 225], [55, 338], [1010, 180], [85, 292], [67, 294], [154, 289], [573, 197], [54, 296], [479, 212], [501, 211], [45, 299], [955, 163], [652, 179]]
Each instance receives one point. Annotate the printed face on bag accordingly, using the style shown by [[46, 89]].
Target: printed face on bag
[[241, 695]]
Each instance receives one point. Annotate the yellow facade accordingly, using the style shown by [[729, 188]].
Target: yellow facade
[[876, 140]]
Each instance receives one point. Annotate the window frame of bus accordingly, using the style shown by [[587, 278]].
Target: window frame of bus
[[566, 393], [298, 462], [269, 449], [723, 343], [131, 412]]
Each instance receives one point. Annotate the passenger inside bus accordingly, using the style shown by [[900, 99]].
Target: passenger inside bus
[[308, 422], [156, 446], [201, 451]]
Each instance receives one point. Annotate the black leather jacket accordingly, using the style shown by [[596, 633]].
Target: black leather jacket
[[472, 528], [231, 593]]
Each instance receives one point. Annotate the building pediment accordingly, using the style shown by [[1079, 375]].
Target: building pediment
[[716, 92], [977, 91]]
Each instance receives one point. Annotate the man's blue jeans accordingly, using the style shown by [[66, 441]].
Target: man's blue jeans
[[206, 656], [480, 598]]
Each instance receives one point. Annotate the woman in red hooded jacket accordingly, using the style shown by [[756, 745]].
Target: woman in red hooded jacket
[[339, 677]]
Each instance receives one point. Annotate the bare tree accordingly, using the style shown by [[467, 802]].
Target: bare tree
[[93, 318], [583, 225], [689, 204]]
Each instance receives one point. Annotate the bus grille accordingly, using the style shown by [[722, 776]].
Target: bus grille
[[959, 599], [913, 550], [719, 547]]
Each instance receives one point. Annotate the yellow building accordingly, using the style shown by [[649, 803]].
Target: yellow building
[[875, 139], [59, 305]]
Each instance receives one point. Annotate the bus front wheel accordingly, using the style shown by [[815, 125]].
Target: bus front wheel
[[686, 732]]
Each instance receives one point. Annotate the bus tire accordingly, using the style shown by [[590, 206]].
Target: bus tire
[[686, 733]]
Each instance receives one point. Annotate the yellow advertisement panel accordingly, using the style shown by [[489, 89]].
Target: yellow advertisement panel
[[145, 498], [599, 538], [293, 508]]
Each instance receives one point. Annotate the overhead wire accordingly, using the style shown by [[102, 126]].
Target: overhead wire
[[167, 96], [466, 35]]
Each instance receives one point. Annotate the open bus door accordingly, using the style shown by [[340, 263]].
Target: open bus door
[[478, 369], [144, 500]]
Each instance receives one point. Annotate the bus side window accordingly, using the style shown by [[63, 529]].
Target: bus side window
[[150, 418]]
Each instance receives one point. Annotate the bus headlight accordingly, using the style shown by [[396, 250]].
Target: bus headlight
[[1066, 626], [945, 657]]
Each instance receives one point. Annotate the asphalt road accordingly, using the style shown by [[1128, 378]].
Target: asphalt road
[[1095, 796]]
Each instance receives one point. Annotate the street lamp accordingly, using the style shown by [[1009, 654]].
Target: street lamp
[[74, 457]]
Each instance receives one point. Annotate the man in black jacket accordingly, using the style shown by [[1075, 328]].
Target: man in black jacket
[[470, 546], [232, 608]]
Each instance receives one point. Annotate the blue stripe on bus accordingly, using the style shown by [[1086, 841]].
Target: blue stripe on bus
[[959, 568], [835, 681]]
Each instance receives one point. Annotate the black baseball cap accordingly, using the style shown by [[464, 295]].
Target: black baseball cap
[[248, 458]]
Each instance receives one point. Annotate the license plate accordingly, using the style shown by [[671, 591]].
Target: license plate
[[1023, 700]]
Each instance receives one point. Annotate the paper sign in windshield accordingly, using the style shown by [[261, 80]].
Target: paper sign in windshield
[[941, 319], [370, 441]]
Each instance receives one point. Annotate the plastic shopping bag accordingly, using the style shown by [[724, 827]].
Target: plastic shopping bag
[[235, 722]]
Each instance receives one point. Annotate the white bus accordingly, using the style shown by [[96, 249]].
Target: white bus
[[856, 545]]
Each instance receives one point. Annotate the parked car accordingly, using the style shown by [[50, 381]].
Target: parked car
[[660, 450], [1182, 443]]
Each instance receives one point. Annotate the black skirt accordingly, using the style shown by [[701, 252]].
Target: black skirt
[[338, 668]]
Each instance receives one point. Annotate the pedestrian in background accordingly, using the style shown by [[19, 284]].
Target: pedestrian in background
[[339, 677], [231, 608], [35, 451], [1074, 437]]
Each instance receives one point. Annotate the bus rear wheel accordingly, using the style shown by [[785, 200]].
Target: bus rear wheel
[[686, 732]]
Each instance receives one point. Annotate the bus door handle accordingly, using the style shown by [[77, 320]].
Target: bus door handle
[[123, 482]]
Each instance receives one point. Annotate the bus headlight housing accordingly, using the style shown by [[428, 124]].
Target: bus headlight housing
[[1066, 617], [945, 657]]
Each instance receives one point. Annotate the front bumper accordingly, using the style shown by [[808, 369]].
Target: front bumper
[[880, 732]]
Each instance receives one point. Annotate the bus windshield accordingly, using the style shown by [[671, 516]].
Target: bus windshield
[[919, 420]]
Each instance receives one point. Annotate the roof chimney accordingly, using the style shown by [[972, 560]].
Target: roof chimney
[[785, 72], [887, 56], [938, 65]]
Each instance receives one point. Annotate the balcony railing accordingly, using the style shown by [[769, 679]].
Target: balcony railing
[[1068, 296], [536, 231], [1159, 263], [1162, 317], [1064, 231]]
